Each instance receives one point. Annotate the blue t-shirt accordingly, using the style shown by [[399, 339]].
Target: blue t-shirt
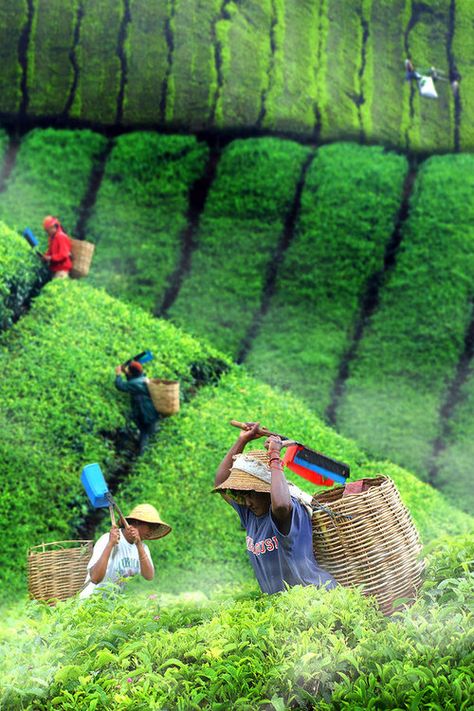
[[278, 559]]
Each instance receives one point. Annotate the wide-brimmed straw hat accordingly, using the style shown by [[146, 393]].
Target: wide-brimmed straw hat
[[250, 472], [148, 514]]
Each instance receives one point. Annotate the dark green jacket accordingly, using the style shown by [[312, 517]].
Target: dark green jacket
[[143, 410]]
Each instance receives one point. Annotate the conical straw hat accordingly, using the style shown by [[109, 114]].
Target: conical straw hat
[[148, 514], [250, 472]]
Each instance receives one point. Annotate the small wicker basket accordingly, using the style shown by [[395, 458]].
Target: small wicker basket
[[82, 252], [57, 570], [369, 539], [164, 395]]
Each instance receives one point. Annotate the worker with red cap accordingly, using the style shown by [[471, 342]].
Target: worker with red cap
[[58, 254], [143, 411]]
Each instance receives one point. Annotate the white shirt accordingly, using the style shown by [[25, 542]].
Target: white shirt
[[123, 563]]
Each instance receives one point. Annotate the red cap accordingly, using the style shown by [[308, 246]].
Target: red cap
[[136, 366], [50, 221]]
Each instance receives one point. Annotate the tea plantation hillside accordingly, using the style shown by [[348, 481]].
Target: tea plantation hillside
[[342, 273], [61, 411], [321, 70]]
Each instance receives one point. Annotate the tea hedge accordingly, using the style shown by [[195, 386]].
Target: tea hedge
[[20, 273], [50, 72], [207, 545], [238, 236], [289, 102], [147, 56], [140, 213], [97, 55], [13, 17], [389, 107], [453, 465], [409, 353], [60, 409], [193, 82], [50, 176], [462, 53], [433, 120], [244, 37], [348, 210], [301, 648]]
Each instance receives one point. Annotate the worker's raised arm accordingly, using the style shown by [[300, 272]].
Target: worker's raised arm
[[245, 436], [280, 494]]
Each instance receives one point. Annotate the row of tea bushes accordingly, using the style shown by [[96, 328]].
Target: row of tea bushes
[[303, 648], [239, 233], [349, 207], [430, 122], [207, 545], [308, 69], [60, 409], [19, 274], [411, 348], [51, 175], [140, 214]]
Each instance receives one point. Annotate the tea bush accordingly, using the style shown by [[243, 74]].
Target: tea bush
[[20, 273], [298, 649], [238, 237], [462, 49], [12, 21], [98, 86], [245, 48], [50, 74], [147, 62], [410, 350], [60, 409], [140, 213], [51, 176], [348, 210]]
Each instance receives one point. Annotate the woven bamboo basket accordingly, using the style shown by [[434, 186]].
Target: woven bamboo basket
[[82, 252], [57, 570], [164, 395], [369, 539]]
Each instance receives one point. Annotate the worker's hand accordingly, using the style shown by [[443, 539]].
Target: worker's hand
[[250, 432], [135, 535], [114, 536], [46, 258], [273, 444], [118, 369]]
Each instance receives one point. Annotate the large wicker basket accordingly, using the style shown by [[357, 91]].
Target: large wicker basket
[[82, 252], [57, 570], [164, 395], [369, 539]]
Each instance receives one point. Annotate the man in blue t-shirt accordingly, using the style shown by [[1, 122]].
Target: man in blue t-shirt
[[278, 524]]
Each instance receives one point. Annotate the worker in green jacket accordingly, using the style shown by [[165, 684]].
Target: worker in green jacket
[[143, 411]]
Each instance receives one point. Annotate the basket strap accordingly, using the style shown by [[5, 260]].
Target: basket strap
[[317, 506]]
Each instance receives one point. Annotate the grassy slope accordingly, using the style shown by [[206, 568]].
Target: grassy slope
[[61, 410], [147, 53], [140, 213], [52, 162], [239, 232], [410, 350], [50, 72], [349, 206]]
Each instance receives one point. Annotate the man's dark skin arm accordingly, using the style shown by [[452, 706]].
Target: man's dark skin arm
[[280, 494], [98, 570], [238, 447]]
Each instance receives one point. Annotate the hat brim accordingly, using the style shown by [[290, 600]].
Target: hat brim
[[242, 481], [160, 530]]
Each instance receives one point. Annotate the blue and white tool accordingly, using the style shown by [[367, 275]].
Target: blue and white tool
[[98, 492]]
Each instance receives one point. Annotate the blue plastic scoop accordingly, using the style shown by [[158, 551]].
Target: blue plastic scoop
[[98, 492]]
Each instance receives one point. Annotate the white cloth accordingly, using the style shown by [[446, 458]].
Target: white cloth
[[427, 88], [123, 563]]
